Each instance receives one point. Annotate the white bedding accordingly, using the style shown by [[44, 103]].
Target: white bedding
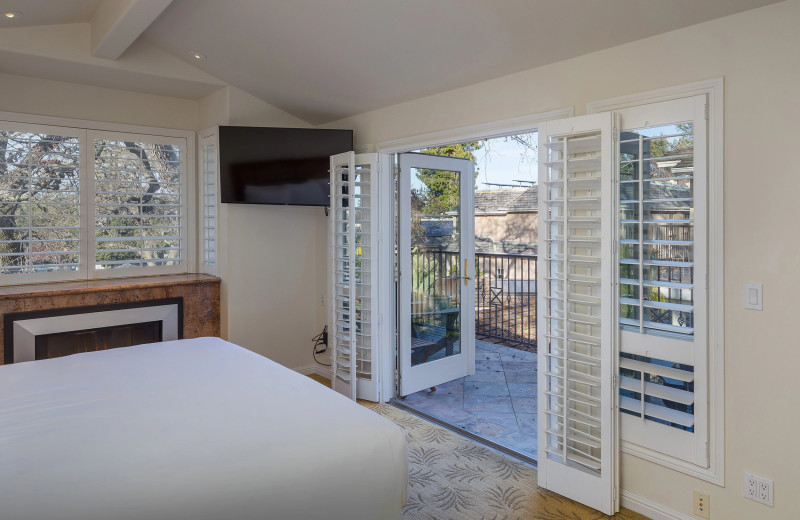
[[190, 429]]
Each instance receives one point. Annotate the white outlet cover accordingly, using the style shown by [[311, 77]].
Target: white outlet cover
[[759, 489], [765, 491], [750, 486]]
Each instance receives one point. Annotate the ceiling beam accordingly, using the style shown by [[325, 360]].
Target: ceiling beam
[[116, 24]]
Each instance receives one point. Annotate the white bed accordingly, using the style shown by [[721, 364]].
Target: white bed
[[191, 429]]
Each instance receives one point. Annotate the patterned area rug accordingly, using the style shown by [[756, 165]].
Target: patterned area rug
[[451, 477]]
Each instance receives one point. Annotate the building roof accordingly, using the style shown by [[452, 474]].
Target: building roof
[[503, 201], [438, 228]]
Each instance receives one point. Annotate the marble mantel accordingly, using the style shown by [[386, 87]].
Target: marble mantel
[[200, 293]]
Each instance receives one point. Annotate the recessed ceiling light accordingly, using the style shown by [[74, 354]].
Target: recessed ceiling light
[[9, 15], [199, 56]]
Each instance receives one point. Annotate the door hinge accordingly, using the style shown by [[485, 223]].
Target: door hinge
[[396, 377], [614, 381], [707, 454], [705, 109]]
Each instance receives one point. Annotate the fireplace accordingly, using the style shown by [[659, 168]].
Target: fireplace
[[49, 334]]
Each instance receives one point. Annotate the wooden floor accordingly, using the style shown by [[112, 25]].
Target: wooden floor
[[545, 504]]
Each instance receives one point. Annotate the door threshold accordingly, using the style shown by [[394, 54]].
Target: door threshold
[[464, 433]]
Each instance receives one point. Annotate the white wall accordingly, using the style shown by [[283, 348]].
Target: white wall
[[274, 255], [45, 97], [757, 54]]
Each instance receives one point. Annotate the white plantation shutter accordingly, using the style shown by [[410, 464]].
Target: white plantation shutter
[[208, 206], [40, 205], [139, 200], [354, 289], [662, 275], [78, 203], [577, 423]]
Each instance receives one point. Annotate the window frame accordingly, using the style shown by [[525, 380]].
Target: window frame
[[86, 131], [715, 353]]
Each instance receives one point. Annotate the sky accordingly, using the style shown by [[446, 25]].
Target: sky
[[502, 161]]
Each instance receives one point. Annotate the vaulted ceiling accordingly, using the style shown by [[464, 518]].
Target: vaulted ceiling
[[322, 60]]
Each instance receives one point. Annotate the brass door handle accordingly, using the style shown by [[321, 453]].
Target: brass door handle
[[466, 270]]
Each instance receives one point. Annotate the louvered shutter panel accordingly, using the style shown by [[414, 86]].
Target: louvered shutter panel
[[662, 273], [354, 297], [577, 424], [208, 207], [40, 204], [138, 204]]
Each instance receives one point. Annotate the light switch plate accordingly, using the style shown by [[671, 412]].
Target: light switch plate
[[754, 296]]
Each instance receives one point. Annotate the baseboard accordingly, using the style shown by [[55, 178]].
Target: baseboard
[[306, 370], [651, 509], [315, 369]]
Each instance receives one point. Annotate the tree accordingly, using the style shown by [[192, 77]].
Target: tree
[[661, 147], [441, 192]]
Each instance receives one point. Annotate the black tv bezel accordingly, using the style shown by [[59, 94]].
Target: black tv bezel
[[274, 128]]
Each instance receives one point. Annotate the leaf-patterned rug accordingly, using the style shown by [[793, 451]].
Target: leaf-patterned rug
[[451, 477]]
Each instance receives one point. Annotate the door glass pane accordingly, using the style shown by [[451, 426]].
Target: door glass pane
[[435, 265]]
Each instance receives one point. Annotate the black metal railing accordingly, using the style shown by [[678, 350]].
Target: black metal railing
[[505, 290]]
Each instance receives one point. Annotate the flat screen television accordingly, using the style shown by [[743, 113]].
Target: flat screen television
[[278, 165]]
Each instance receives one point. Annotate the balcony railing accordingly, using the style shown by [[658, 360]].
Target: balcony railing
[[505, 290]]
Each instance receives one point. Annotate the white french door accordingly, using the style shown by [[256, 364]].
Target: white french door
[[436, 255], [576, 322]]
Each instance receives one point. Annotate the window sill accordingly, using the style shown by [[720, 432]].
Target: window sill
[[84, 286]]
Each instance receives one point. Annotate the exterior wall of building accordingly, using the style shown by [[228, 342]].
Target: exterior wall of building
[[511, 227]]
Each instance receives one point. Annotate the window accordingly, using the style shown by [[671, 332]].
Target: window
[[40, 211], [138, 203], [662, 258], [670, 286], [84, 203]]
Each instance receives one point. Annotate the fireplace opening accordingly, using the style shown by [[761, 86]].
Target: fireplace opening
[[53, 333], [60, 344]]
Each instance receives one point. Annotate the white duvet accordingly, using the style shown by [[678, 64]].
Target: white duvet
[[190, 429]]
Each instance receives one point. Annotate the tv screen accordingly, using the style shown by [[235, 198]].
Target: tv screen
[[278, 165]]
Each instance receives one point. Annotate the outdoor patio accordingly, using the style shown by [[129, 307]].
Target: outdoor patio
[[498, 403]]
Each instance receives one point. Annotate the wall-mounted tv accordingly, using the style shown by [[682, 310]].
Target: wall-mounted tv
[[278, 165]]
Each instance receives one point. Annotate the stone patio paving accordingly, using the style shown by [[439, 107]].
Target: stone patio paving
[[498, 403]]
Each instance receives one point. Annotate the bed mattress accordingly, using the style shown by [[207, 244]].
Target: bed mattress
[[189, 429]]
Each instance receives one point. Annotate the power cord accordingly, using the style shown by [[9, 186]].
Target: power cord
[[320, 339]]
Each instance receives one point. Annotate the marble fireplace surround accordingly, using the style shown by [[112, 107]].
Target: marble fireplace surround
[[200, 293]]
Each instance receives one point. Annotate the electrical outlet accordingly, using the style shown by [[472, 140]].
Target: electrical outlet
[[750, 489], [765, 491], [702, 505], [758, 489]]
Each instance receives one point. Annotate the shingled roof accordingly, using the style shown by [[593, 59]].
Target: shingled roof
[[494, 201]]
